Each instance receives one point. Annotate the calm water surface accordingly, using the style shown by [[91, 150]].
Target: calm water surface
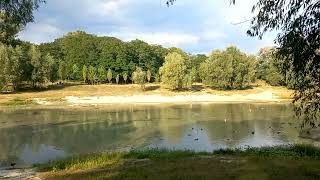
[[30, 136]]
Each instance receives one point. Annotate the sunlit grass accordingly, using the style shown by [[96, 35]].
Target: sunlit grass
[[17, 101], [104, 160]]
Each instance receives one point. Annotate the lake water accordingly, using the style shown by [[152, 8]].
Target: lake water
[[30, 136]]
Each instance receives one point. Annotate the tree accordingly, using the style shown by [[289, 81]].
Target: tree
[[84, 73], [14, 15], [109, 75], [125, 77], [62, 71], [102, 73], [148, 76], [194, 74], [174, 71], [196, 60], [229, 69], [139, 77], [75, 72], [47, 67], [299, 42], [91, 74], [5, 70], [269, 67], [117, 78], [17, 59], [41, 67]]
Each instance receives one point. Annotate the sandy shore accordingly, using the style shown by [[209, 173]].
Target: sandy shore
[[87, 95], [266, 96]]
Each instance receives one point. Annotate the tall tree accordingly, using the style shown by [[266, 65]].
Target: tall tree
[[229, 69], [139, 77], [84, 73], [62, 70], [102, 73], [38, 78], [174, 71], [149, 75], [299, 42], [5, 70], [125, 77], [109, 75], [75, 72], [117, 78], [14, 15], [92, 74]]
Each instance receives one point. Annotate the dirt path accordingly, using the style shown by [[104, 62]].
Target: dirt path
[[19, 174]]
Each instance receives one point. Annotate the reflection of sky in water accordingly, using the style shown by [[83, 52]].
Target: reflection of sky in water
[[43, 154], [197, 139], [35, 136]]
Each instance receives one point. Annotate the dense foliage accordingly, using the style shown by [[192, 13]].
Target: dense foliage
[[139, 77], [79, 48], [299, 43], [79, 56], [229, 69], [270, 68], [14, 15], [175, 71]]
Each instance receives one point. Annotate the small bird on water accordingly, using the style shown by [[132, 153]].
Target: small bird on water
[[12, 164]]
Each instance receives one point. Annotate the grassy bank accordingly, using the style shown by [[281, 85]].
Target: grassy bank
[[296, 162]]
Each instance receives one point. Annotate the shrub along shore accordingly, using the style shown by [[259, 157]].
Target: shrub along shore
[[263, 162]]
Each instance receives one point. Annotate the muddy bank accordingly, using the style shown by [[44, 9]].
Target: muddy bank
[[266, 96]]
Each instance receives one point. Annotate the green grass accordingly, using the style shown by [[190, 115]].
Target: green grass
[[116, 158], [281, 162], [19, 102]]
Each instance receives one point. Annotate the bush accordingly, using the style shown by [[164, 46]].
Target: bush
[[174, 73]]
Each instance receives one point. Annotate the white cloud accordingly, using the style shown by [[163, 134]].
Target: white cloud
[[107, 8], [39, 33], [212, 35], [193, 26], [162, 38]]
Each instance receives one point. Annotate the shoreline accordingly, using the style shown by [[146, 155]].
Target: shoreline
[[266, 96], [99, 95]]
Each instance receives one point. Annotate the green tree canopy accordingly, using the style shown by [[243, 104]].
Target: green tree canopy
[[229, 69], [14, 15], [139, 77], [299, 42], [174, 72]]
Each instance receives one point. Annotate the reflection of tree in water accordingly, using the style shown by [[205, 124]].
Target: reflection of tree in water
[[173, 122], [81, 132], [85, 131]]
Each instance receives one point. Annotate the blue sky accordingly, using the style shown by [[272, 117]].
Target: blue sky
[[193, 26]]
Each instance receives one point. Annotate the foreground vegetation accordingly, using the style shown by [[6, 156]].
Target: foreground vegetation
[[302, 161]]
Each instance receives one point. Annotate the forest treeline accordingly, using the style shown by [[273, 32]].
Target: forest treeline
[[79, 56]]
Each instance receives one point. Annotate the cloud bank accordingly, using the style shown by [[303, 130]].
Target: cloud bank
[[196, 27]]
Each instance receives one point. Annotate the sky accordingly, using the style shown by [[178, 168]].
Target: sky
[[188, 24]]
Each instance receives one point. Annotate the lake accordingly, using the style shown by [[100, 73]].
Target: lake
[[30, 136]]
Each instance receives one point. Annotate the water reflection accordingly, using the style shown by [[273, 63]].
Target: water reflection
[[32, 136]]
